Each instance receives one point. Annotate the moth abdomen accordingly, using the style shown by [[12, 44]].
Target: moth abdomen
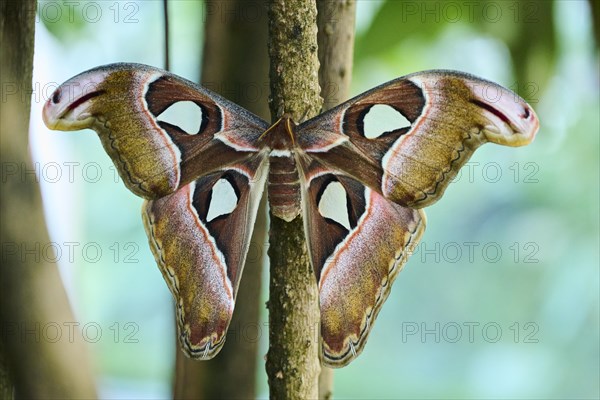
[[284, 187]]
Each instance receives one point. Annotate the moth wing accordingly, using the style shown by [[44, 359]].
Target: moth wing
[[451, 114], [202, 258], [123, 104], [355, 265]]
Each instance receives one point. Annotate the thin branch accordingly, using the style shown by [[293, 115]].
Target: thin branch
[[336, 49], [294, 61], [293, 359], [166, 26]]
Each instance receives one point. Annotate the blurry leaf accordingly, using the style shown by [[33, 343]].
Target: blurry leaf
[[68, 19], [393, 23], [527, 29]]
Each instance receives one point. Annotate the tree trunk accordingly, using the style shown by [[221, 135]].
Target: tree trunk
[[7, 389], [235, 65], [44, 352], [336, 46], [293, 359]]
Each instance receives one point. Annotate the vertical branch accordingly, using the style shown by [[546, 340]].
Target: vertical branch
[[595, 20], [294, 60], [293, 359], [32, 293], [166, 34], [235, 65], [336, 46]]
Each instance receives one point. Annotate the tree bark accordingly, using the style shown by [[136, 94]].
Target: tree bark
[[7, 388], [235, 65], [336, 47], [34, 305], [293, 358], [235, 60]]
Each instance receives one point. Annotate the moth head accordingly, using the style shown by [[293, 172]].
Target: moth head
[[281, 135], [505, 117]]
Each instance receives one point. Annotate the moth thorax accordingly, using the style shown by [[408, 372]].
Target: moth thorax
[[284, 187]]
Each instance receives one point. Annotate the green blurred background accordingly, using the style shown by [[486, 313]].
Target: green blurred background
[[501, 298]]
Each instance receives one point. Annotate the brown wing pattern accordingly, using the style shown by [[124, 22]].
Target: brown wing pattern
[[386, 180], [201, 259], [122, 103], [451, 115], [355, 268]]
